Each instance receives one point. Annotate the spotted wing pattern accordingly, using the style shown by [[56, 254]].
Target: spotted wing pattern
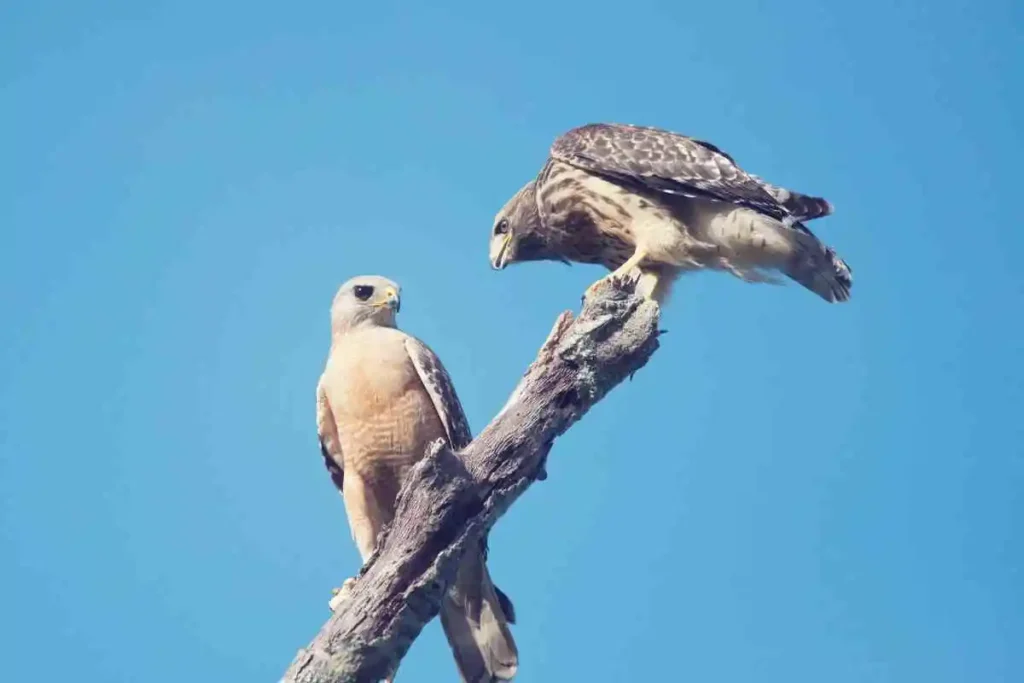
[[658, 160], [439, 386]]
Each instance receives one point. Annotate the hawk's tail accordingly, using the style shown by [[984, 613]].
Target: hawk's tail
[[818, 268], [475, 616]]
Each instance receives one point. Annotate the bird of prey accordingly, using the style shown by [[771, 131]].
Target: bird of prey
[[384, 396], [635, 197]]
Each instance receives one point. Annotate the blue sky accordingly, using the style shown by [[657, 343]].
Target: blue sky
[[790, 491]]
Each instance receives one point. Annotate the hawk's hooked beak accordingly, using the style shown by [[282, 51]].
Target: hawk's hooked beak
[[501, 259], [392, 300]]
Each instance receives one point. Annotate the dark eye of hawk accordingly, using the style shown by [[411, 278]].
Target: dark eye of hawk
[[502, 227], [363, 292]]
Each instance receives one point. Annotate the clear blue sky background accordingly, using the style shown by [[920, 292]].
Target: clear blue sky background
[[790, 491]]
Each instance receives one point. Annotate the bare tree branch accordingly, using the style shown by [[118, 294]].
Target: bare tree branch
[[449, 501]]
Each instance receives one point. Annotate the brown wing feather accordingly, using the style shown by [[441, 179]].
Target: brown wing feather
[[803, 207], [662, 161], [327, 431], [439, 386]]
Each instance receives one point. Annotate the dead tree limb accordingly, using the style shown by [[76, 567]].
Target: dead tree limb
[[450, 500]]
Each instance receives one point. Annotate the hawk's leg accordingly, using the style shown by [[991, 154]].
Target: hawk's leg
[[620, 272], [656, 283], [649, 282]]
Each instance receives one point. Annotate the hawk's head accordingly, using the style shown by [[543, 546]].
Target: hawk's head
[[518, 233], [365, 300]]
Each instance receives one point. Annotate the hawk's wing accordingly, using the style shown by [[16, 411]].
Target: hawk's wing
[[330, 444], [438, 384], [803, 207], [662, 161], [442, 394]]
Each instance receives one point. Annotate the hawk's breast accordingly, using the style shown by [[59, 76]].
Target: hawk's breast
[[385, 417]]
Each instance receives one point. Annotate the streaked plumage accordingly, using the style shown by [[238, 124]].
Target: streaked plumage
[[384, 396], [638, 197]]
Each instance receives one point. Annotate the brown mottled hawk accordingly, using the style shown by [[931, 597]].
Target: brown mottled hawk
[[384, 396], [638, 197]]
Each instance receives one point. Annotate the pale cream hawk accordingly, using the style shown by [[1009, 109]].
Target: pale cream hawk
[[384, 396]]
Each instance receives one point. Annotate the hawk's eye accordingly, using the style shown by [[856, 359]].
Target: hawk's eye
[[502, 227], [363, 292]]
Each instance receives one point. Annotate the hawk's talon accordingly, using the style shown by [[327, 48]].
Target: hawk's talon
[[619, 280], [624, 280]]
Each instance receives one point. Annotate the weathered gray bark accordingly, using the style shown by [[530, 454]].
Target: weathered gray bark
[[449, 501]]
